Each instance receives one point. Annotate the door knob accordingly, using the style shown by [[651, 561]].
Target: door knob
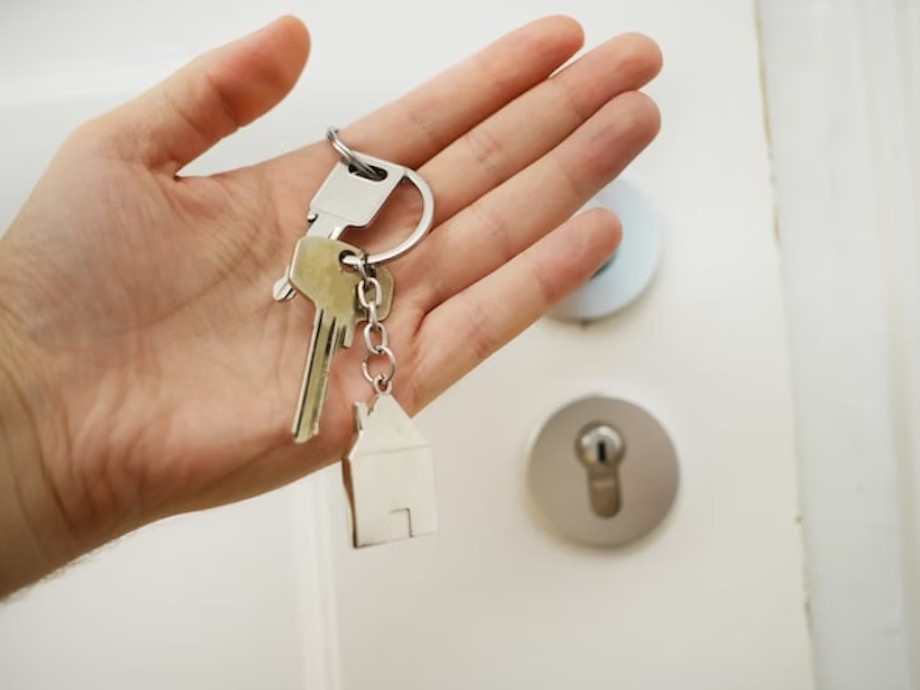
[[629, 271]]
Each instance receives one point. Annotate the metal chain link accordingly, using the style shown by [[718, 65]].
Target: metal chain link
[[376, 338]]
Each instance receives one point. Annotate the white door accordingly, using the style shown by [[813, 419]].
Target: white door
[[715, 598], [268, 594]]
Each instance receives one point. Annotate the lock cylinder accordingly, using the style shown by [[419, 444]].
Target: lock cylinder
[[600, 448]]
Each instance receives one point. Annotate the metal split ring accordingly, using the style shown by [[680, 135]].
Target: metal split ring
[[418, 234], [350, 157]]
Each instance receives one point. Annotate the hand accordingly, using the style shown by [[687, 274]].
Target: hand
[[147, 369]]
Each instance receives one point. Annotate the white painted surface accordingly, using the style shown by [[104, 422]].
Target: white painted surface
[[713, 600], [206, 601], [842, 83]]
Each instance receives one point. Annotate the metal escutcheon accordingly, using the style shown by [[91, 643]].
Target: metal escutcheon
[[603, 472]]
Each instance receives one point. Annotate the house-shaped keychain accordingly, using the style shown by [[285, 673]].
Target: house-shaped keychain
[[389, 476]]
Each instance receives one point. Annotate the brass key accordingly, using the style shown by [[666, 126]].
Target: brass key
[[317, 272]]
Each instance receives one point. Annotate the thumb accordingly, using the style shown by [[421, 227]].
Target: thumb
[[207, 100]]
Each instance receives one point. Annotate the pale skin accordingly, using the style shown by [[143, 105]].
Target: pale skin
[[144, 368]]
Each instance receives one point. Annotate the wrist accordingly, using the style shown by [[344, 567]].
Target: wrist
[[35, 538]]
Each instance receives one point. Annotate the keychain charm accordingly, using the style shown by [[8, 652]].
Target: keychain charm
[[388, 473], [388, 476]]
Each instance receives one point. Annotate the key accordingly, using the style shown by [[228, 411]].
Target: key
[[389, 476], [346, 200], [318, 274]]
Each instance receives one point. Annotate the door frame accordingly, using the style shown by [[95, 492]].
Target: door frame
[[842, 90]]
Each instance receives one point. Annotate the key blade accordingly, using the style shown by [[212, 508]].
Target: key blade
[[318, 274], [324, 342]]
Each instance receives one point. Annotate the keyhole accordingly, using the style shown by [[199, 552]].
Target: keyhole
[[600, 449]]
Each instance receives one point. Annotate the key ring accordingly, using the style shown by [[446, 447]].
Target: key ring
[[349, 156], [417, 235], [363, 162]]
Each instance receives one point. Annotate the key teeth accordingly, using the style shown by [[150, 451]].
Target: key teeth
[[302, 434]]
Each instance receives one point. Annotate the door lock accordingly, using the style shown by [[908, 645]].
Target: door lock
[[600, 448], [603, 472]]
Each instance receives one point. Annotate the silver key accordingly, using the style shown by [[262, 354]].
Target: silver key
[[318, 274], [346, 200], [389, 476]]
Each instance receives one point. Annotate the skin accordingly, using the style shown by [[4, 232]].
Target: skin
[[144, 368]]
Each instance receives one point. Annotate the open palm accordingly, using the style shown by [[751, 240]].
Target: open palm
[[140, 300]]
